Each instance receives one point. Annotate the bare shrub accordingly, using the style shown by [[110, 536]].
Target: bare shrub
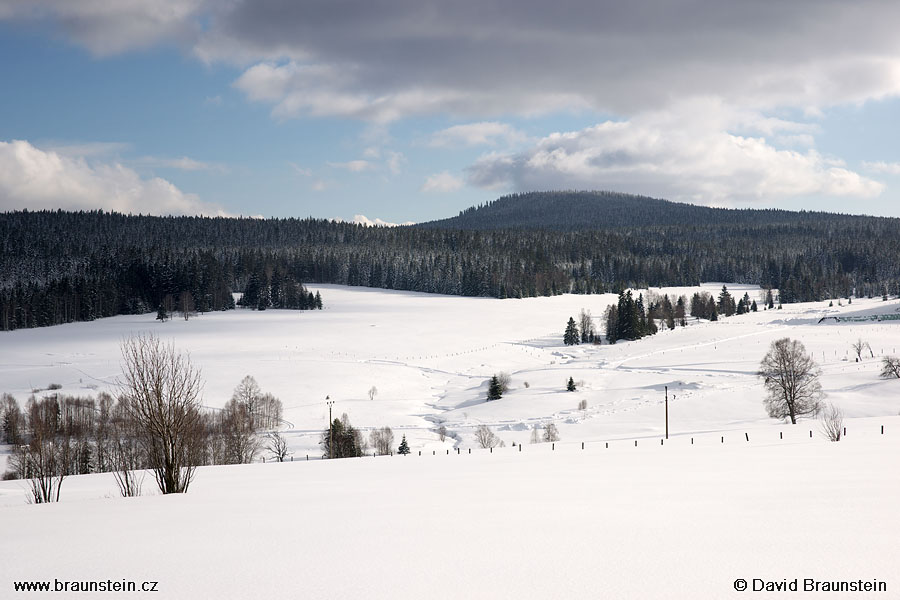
[[890, 367], [832, 423], [485, 437], [859, 346], [442, 432], [582, 405], [504, 379], [536, 434], [373, 391], [277, 446], [128, 459], [551, 433], [46, 462]]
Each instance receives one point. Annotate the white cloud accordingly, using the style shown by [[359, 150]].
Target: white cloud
[[87, 149], [395, 162], [354, 166], [485, 133], [183, 163], [689, 155], [890, 168], [37, 179], [442, 182], [302, 171]]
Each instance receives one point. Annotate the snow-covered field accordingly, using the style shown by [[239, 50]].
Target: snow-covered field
[[679, 520]]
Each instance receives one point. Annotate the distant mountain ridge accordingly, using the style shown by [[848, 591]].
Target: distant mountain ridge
[[579, 211]]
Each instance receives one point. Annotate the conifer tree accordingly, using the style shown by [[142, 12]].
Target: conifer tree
[[161, 314], [726, 302], [495, 389], [571, 338], [753, 307], [404, 447], [570, 386]]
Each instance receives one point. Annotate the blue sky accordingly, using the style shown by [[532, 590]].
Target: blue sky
[[413, 110]]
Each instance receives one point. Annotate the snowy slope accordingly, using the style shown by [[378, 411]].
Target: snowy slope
[[657, 521], [430, 357], [680, 519]]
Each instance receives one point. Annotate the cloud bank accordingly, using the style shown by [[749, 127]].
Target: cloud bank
[[35, 179]]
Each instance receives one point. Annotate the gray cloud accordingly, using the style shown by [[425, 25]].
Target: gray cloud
[[109, 27], [385, 59]]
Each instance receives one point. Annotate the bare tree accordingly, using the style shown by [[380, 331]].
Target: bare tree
[[832, 422], [382, 440], [859, 346], [186, 305], [241, 441], [536, 434], [248, 394], [277, 445], [46, 464], [373, 391], [890, 367], [163, 389], [586, 325], [485, 437], [791, 379], [268, 412], [551, 433], [504, 379], [582, 405]]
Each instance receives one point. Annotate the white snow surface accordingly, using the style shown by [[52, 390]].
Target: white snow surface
[[679, 519]]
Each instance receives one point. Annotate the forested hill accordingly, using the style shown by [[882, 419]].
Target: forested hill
[[58, 267], [578, 211]]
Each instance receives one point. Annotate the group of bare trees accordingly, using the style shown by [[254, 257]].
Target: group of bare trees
[[156, 424]]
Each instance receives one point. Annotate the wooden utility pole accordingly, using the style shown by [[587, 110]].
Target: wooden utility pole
[[330, 428], [667, 412]]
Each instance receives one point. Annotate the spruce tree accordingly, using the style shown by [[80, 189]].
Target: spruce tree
[[753, 307], [495, 390], [404, 447], [571, 338], [161, 314], [726, 302], [570, 386]]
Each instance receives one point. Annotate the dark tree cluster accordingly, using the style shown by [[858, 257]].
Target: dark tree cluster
[[342, 440], [627, 320], [275, 288]]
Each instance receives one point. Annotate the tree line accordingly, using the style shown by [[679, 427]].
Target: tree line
[[58, 267]]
